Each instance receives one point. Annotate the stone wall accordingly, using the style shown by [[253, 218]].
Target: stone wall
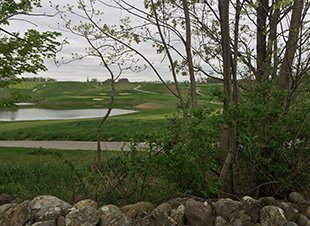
[[51, 211]]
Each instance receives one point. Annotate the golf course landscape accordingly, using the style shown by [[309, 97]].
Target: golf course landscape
[[27, 172], [153, 104]]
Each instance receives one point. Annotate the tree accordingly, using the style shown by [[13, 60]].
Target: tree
[[20, 53]]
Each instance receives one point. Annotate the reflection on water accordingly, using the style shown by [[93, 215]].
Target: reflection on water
[[45, 114]]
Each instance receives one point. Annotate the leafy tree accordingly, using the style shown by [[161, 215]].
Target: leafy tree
[[20, 53]]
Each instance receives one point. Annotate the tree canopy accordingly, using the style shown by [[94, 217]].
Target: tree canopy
[[22, 52]]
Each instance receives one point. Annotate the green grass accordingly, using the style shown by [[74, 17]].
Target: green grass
[[71, 176]]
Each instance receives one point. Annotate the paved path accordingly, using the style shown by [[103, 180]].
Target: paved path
[[69, 145]]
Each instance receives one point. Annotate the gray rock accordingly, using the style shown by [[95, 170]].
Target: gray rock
[[219, 221], [47, 207], [297, 198], [303, 220], [178, 215], [291, 214], [87, 216], [162, 208], [247, 200], [226, 207], [290, 223], [61, 221], [112, 216], [17, 214], [198, 213], [138, 209], [45, 223], [267, 201], [307, 213], [86, 203], [272, 216], [5, 198], [240, 218]]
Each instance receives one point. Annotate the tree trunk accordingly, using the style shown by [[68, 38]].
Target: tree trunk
[[261, 45], [227, 154], [188, 47], [291, 45]]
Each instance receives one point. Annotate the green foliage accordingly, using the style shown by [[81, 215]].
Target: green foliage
[[188, 160], [273, 145], [20, 53]]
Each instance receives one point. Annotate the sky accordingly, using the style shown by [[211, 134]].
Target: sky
[[87, 68]]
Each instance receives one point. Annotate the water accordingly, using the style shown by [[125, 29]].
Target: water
[[29, 114]]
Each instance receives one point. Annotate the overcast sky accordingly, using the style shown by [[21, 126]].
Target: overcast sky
[[89, 67]]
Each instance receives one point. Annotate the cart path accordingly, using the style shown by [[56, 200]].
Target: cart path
[[70, 145]]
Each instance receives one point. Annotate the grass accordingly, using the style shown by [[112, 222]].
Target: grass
[[71, 176]]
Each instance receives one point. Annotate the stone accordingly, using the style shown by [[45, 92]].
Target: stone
[[240, 218], [290, 223], [198, 213], [17, 214], [45, 223], [176, 202], [61, 221], [267, 201], [47, 207], [272, 216], [219, 221], [86, 203], [247, 200], [303, 220], [178, 214], [5, 198], [139, 209], [162, 208], [87, 216], [112, 216], [296, 198], [307, 213], [291, 214], [226, 207], [253, 212]]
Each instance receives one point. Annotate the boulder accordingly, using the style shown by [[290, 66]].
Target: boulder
[[47, 207], [198, 213], [87, 216], [5, 198], [16, 214], [307, 213], [112, 216], [290, 223], [272, 216], [267, 201], [178, 214], [296, 198], [241, 218], [303, 220], [139, 209], [45, 223], [219, 221], [86, 203], [226, 207]]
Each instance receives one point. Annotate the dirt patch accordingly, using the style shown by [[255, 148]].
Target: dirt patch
[[103, 94], [147, 106], [97, 99]]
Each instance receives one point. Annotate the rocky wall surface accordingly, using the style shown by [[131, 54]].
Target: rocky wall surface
[[48, 210]]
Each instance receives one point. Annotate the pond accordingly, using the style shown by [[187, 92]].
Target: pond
[[28, 114]]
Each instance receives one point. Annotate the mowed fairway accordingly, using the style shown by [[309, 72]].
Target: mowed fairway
[[153, 101]]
